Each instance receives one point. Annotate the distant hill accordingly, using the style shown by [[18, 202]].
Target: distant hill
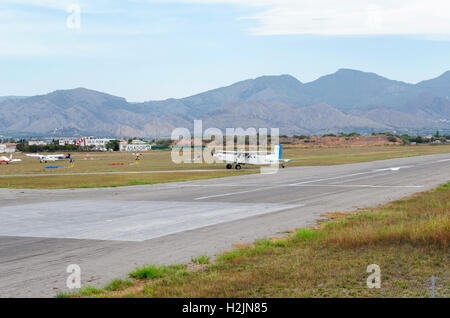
[[347, 100], [439, 86], [3, 98], [349, 89]]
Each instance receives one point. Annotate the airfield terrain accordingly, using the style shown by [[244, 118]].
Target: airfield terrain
[[97, 169], [111, 231]]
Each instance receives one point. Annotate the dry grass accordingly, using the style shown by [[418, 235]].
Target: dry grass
[[115, 180], [422, 220], [408, 239], [342, 155], [161, 160]]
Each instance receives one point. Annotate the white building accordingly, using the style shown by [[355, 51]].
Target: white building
[[66, 141], [135, 146], [98, 143], [36, 142], [7, 148]]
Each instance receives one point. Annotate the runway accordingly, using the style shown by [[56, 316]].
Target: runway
[[110, 231]]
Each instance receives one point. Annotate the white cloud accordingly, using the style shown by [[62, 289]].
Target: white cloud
[[54, 4], [319, 17], [346, 17], [88, 6]]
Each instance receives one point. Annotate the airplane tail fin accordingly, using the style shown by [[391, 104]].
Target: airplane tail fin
[[10, 157], [278, 151]]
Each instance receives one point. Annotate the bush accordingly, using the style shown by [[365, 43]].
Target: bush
[[392, 139], [150, 271], [203, 259], [113, 145], [118, 284], [300, 137]]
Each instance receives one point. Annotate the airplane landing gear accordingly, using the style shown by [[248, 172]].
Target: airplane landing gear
[[229, 166], [238, 167]]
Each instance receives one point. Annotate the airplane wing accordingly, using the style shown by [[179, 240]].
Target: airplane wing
[[244, 152]]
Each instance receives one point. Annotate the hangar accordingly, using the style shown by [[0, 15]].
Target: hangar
[[8, 148]]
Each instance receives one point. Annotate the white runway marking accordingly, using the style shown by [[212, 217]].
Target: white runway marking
[[122, 220], [355, 185], [231, 193], [363, 178], [443, 160], [393, 169], [333, 178]]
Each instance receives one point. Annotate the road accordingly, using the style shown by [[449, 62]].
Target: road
[[108, 232]]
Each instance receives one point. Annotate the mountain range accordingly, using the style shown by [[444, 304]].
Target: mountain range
[[348, 100]]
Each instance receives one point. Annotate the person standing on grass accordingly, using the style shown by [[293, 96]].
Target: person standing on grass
[[138, 157]]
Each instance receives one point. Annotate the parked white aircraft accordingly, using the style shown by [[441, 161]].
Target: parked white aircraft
[[7, 160], [46, 158], [239, 158]]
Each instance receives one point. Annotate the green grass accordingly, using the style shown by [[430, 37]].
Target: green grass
[[407, 238], [87, 291], [118, 285], [150, 271], [110, 181], [202, 259], [307, 234], [90, 290], [153, 271], [227, 256]]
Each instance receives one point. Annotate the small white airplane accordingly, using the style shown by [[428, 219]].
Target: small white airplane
[[7, 160], [46, 158], [239, 158]]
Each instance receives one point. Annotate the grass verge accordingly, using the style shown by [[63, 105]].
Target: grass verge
[[407, 238], [102, 181]]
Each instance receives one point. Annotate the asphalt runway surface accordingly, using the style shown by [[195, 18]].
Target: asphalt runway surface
[[109, 232]]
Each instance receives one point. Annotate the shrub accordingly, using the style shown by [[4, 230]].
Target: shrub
[[203, 259], [150, 271]]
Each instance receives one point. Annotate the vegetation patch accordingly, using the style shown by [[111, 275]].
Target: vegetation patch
[[150, 271], [308, 234], [118, 285], [202, 259]]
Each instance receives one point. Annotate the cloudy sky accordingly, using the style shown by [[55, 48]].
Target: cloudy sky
[[155, 49]]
